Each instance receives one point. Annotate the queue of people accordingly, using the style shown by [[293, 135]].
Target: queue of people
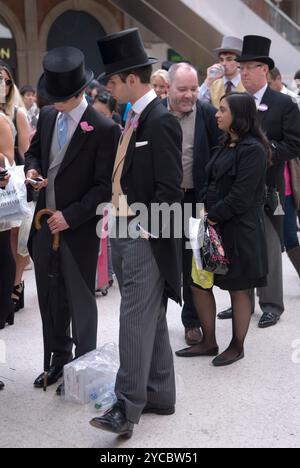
[[232, 144]]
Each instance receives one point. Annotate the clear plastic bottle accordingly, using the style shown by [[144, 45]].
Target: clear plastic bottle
[[216, 71], [104, 397]]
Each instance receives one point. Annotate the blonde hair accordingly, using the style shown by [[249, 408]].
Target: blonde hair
[[14, 98], [163, 74]]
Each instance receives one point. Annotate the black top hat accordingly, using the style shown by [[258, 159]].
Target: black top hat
[[122, 52], [64, 76], [256, 49]]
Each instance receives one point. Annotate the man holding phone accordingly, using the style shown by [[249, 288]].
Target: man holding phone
[[70, 162]]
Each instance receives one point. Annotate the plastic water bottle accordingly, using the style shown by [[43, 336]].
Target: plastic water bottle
[[104, 397], [216, 71]]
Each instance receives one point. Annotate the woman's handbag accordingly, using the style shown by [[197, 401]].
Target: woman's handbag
[[213, 254], [13, 200]]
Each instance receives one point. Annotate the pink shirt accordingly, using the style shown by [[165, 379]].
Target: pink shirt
[[288, 181]]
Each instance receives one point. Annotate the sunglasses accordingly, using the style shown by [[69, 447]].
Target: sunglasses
[[7, 82]]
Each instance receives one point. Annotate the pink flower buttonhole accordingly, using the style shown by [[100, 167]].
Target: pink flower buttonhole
[[86, 128]]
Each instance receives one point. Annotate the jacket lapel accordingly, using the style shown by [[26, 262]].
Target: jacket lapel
[[267, 100], [48, 140], [76, 143], [131, 146]]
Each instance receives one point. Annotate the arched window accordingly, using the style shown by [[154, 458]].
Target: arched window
[[78, 29]]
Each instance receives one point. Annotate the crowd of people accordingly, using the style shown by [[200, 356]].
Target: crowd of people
[[134, 136]]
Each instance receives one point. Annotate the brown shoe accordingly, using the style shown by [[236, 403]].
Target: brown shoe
[[193, 336]]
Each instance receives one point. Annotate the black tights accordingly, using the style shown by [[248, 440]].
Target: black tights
[[205, 304], [7, 276]]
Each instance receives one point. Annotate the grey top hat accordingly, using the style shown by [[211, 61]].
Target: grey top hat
[[230, 44]]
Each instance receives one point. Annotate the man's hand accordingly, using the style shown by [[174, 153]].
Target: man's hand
[[33, 174], [57, 223], [211, 78]]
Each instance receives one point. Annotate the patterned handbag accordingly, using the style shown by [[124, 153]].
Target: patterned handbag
[[213, 254]]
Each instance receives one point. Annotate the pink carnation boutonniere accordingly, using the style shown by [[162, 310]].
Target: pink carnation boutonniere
[[86, 127]]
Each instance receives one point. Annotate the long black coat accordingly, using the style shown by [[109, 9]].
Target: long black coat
[[281, 122], [152, 174], [82, 183], [240, 188]]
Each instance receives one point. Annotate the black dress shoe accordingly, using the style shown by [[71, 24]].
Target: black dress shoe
[[1, 385], [226, 314], [188, 352], [161, 411], [60, 391], [222, 362], [115, 421], [268, 320], [54, 374]]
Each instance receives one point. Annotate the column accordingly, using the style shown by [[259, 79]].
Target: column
[[34, 55]]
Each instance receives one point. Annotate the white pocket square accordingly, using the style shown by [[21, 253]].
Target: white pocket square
[[141, 144]]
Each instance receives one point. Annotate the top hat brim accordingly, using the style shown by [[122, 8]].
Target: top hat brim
[[221, 50], [254, 58], [42, 88], [117, 71]]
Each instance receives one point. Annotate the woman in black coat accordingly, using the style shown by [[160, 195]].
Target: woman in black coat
[[234, 201]]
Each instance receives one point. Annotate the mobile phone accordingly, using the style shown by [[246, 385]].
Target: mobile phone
[[3, 174], [35, 181]]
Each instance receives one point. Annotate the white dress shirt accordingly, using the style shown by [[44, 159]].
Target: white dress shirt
[[259, 95], [74, 117], [204, 90], [140, 105]]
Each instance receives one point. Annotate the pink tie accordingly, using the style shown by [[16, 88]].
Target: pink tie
[[130, 115]]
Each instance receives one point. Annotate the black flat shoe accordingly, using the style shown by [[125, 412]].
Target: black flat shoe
[[114, 421], [268, 320], [222, 362], [226, 314], [54, 374], [188, 352], [1, 385]]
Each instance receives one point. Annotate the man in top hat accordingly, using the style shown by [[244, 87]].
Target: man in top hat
[[223, 77], [73, 153], [280, 119], [148, 171]]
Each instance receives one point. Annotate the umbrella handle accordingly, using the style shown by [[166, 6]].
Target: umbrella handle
[[38, 227]]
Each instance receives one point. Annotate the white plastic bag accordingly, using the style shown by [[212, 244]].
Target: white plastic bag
[[87, 375], [13, 200]]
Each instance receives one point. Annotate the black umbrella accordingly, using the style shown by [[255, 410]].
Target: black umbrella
[[53, 275]]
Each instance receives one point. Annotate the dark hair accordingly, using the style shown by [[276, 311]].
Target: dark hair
[[144, 74], [297, 75], [27, 89], [275, 73], [245, 120], [107, 99]]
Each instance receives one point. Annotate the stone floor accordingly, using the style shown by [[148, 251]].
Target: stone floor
[[254, 403]]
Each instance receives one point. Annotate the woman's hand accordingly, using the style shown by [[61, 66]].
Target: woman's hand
[[4, 182], [211, 223]]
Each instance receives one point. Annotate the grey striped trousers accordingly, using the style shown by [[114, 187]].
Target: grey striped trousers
[[146, 374]]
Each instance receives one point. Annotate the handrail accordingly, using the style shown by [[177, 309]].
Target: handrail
[[279, 20]]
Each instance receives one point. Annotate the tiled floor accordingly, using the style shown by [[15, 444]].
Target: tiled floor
[[254, 403]]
